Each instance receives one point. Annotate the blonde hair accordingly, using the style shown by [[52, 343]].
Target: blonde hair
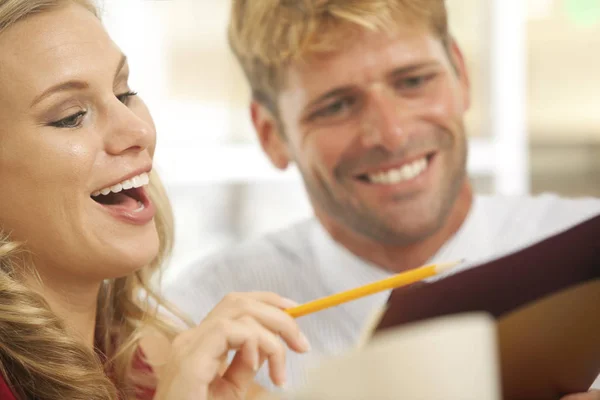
[[38, 357], [266, 36]]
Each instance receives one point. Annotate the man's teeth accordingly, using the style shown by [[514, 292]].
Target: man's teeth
[[135, 182], [405, 173]]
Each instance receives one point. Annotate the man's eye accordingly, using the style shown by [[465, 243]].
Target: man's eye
[[414, 82], [72, 121], [336, 108]]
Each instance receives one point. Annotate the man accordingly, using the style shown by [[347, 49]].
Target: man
[[367, 98]]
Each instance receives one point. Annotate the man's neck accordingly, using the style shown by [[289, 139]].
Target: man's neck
[[74, 302], [401, 258]]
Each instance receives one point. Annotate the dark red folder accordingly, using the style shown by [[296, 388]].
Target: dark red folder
[[546, 301]]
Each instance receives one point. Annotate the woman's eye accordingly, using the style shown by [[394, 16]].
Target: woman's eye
[[72, 121], [124, 97]]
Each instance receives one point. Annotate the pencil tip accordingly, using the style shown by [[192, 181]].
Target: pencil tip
[[448, 266]]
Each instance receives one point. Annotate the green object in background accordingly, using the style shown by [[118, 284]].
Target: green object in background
[[583, 12]]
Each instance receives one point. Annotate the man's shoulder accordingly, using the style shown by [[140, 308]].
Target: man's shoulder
[[556, 207], [271, 254], [275, 262], [535, 216], [290, 244], [500, 224]]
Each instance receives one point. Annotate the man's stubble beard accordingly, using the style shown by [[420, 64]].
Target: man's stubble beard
[[372, 225]]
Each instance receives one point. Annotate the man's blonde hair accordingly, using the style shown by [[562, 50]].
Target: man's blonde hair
[[266, 35]]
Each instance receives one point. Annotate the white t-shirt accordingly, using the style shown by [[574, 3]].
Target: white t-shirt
[[303, 263]]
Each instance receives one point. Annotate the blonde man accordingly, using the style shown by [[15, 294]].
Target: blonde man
[[367, 98]]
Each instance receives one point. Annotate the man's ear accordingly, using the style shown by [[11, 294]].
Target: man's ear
[[458, 61], [271, 139]]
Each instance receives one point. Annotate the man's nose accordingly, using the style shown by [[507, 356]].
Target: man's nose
[[385, 121]]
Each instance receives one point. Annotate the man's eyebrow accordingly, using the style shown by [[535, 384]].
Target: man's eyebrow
[[73, 84], [412, 68], [341, 91]]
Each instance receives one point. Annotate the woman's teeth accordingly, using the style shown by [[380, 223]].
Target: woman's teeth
[[140, 207], [135, 182], [404, 173]]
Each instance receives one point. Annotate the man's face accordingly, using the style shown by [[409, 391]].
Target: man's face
[[376, 130]]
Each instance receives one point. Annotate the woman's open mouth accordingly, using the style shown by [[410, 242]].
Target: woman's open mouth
[[127, 200]]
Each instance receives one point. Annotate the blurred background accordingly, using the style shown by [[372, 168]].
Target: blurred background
[[534, 127]]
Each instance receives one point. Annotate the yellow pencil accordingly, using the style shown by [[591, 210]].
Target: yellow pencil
[[393, 282]]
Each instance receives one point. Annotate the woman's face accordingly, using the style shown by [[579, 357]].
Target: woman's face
[[71, 130]]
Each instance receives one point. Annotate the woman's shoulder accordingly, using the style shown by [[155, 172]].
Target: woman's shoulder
[[144, 379], [150, 355], [140, 364], [5, 392]]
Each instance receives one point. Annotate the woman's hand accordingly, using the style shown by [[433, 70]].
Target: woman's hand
[[251, 324]]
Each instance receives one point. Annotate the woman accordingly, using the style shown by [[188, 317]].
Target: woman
[[84, 223]]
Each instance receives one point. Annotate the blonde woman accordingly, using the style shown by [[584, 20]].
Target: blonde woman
[[84, 223]]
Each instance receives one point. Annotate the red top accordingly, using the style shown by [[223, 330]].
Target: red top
[[5, 393], [138, 364]]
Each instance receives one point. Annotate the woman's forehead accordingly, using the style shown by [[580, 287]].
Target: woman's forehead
[[53, 46]]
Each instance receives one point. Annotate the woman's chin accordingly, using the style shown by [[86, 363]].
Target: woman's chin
[[125, 261], [122, 268]]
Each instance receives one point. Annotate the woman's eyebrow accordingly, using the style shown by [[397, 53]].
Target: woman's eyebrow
[[73, 84]]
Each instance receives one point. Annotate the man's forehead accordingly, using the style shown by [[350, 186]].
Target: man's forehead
[[371, 56]]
